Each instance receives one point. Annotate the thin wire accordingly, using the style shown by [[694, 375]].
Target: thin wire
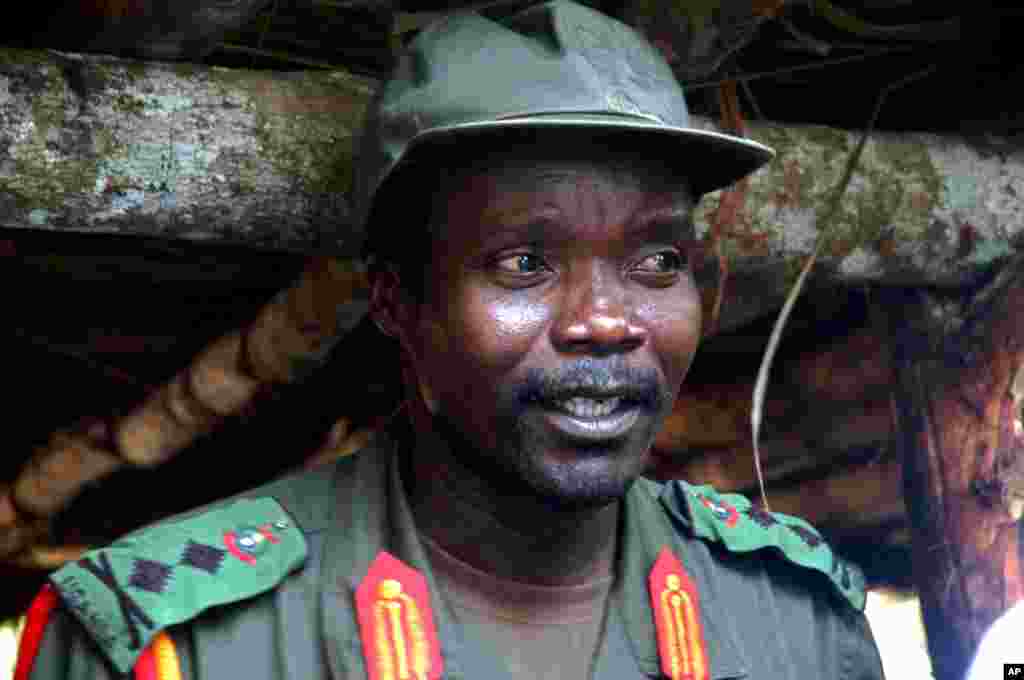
[[761, 386], [798, 68], [267, 24], [809, 42], [749, 91], [279, 56], [943, 30]]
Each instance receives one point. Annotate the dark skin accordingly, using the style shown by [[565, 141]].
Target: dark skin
[[546, 276]]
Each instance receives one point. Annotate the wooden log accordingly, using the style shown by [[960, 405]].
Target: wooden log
[[710, 416], [845, 371], [849, 496], [290, 337], [826, 403], [785, 460], [103, 145], [56, 473], [956, 359]]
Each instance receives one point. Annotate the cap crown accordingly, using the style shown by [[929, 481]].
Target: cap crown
[[503, 64]]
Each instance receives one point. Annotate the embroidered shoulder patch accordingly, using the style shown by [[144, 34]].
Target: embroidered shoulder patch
[[732, 520], [128, 592]]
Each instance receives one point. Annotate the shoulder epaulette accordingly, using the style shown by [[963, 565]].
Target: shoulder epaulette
[[128, 592], [36, 619], [732, 520]]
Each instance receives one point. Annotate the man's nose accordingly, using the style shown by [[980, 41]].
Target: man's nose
[[598, 319]]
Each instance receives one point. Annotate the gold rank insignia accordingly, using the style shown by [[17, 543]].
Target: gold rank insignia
[[677, 619], [159, 661], [396, 622]]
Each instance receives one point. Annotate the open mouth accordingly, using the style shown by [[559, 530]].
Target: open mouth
[[593, 419], [585, 407]]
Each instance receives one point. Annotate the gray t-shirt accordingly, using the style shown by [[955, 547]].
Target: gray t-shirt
[[537, 632]]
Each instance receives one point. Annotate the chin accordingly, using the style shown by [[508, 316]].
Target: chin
[[582, 494], [589, 481], [528, 461]]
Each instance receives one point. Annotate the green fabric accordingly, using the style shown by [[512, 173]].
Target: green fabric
[[126, 593], [753, 529], [792, 626], [474, 77], [646, 529]]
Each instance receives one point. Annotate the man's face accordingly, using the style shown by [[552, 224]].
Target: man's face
[[559, 321]]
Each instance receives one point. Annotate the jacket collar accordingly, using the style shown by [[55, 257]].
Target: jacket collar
[[358, 530], [371, 514], [646, 529]]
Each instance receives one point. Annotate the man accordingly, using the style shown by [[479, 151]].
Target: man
[[526, 180]]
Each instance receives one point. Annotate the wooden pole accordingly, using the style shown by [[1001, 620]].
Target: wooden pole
[[956, 359], [290, 337]]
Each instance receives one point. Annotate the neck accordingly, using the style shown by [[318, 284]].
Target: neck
[[518, 538]]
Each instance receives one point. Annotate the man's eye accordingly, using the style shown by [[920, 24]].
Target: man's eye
[[521, 263], [667, 261]]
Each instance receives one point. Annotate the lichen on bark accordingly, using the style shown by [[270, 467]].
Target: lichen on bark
[[186, 151], [893, 218], [102, 143], [41, 175]]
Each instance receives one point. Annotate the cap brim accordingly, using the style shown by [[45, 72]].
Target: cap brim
[[709, 160]]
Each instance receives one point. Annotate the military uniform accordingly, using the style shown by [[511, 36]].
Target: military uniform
[[319, 576], [324, 575]]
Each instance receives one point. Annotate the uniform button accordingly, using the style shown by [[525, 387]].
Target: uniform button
[[281, 524]]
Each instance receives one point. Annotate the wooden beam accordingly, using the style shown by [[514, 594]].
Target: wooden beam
[[841, 488], [290, 336], [103, 145], [847, 496], [956, 357], [810, 422]]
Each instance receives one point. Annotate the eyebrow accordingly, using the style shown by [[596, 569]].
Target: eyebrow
[[533, 227], [671, 226]]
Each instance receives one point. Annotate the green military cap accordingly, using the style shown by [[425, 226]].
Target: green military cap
[[557, 65]]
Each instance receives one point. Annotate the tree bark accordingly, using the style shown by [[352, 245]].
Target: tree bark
[[103, 145], [956, 359], [99, 144]]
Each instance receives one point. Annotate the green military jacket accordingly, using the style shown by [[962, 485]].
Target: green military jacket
[[774, 602]]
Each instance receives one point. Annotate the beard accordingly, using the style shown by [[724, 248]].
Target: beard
[[517, 454]]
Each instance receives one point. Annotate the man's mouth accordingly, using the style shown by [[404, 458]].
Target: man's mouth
[[593, 419], [584, 407]]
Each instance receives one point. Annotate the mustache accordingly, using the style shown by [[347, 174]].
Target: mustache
[[588, 375]]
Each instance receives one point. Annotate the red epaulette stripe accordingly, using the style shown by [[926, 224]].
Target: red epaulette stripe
[[159, 661], [675, 603], [35, 626], [396, 623]]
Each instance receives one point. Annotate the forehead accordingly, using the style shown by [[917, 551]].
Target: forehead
[[601, 190]]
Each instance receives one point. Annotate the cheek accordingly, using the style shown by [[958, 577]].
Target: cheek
[[478, 337], [675, 327], [501, 330]]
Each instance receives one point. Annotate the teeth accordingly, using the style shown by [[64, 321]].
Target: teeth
[[581, 407]]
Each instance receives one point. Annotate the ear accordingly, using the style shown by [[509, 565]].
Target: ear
[[394, 313], [389, 304], [393, 310]]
